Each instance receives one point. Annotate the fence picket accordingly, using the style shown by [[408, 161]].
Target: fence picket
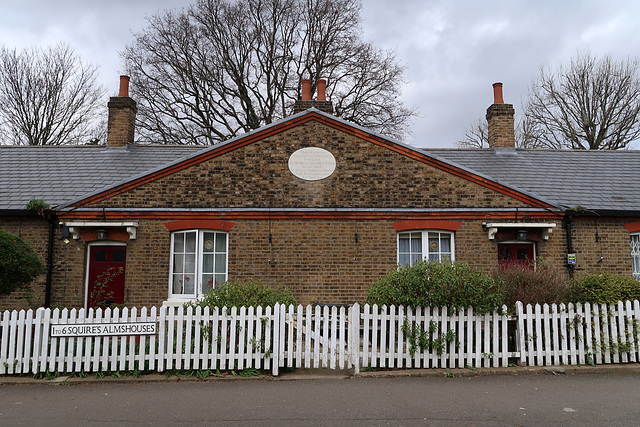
[[141, 357], [622, 333], [37, 342], [588, 334], [11, 357], [458, 342], [124, 317], [636, 327], [307, 337], [270, 320], [374, 335], [580, 333], [547, 326], [555, 333], [571, 324], [365, 336], [324, 339], [613, 334], [162, 336], [631, 339], [215, 339], [290, 317], [400, 339], [495, 349], [343, 336], [354, 336], [250, 338], [422, 318], [382, 350], [505, 335], [241, 328], [597, 334], [196, 327]]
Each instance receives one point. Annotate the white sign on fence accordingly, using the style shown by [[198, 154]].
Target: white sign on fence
[[105, 329]]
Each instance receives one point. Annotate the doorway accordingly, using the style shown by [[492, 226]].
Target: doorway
[[105, 278], [512, 254]]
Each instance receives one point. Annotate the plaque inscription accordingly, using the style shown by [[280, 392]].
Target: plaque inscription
[[312, 163]]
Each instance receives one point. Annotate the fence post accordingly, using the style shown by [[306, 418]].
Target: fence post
[[275, 345], [520, 333], [354, 342]]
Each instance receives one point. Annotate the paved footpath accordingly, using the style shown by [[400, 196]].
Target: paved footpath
[[519, 396]]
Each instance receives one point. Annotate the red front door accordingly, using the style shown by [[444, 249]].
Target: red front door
[[106, 275], [515, 254]]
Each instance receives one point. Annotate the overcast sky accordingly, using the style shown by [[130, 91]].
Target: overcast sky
[[453, 50]]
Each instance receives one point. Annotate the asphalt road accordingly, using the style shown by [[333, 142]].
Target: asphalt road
[[585, 400]]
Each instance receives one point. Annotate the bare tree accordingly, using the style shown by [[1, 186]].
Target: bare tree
[[47, 97], [593, 103], [225, 67], [477, 136]]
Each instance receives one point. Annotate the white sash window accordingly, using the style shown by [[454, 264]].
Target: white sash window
[[430, 245], [198, 262]]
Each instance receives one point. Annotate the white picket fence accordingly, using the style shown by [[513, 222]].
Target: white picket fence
[[357, 337], [579, 334]]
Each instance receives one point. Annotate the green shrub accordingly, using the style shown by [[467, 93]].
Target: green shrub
[[432, 284], [604, 288], [249, 294], [19, 264], [545, 285]]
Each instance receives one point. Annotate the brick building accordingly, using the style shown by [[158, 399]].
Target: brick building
[[312, 202]]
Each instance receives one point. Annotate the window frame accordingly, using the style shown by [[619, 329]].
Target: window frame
[[634, 246], [199, 262], [424, 254]]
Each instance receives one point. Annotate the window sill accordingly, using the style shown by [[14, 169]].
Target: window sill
[[174, 302]]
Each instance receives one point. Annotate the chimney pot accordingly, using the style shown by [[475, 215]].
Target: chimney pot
[[306, 89], [322, 89], [497, 93], [124, 86]]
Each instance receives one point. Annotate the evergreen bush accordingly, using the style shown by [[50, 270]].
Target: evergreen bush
[[604, 288], [432, 284], [249, 294], [19, 264]]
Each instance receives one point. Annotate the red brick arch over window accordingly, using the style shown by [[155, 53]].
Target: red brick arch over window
[[427, 224], [200, 224], [633, 227]]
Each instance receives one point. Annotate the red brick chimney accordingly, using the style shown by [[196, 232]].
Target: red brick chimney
[[122, 117], [500, 121], [306, 102]]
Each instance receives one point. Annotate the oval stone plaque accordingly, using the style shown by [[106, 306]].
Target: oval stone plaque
[[312, 163]]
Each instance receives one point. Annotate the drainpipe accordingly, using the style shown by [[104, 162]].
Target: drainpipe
[[52, 219], [568, 228]]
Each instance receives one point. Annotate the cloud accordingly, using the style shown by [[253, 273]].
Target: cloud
[[453, 50]]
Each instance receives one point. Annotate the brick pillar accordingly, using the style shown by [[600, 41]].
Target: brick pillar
[[500, 121], [122, 117]]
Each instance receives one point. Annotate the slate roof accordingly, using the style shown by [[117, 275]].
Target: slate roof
[[58, 174], [593, 179]]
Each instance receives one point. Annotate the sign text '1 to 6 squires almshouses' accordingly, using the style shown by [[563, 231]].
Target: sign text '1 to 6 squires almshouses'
[[102, 329]]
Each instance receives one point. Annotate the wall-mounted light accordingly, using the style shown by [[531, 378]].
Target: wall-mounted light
[[101, 234], [521, 235]]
